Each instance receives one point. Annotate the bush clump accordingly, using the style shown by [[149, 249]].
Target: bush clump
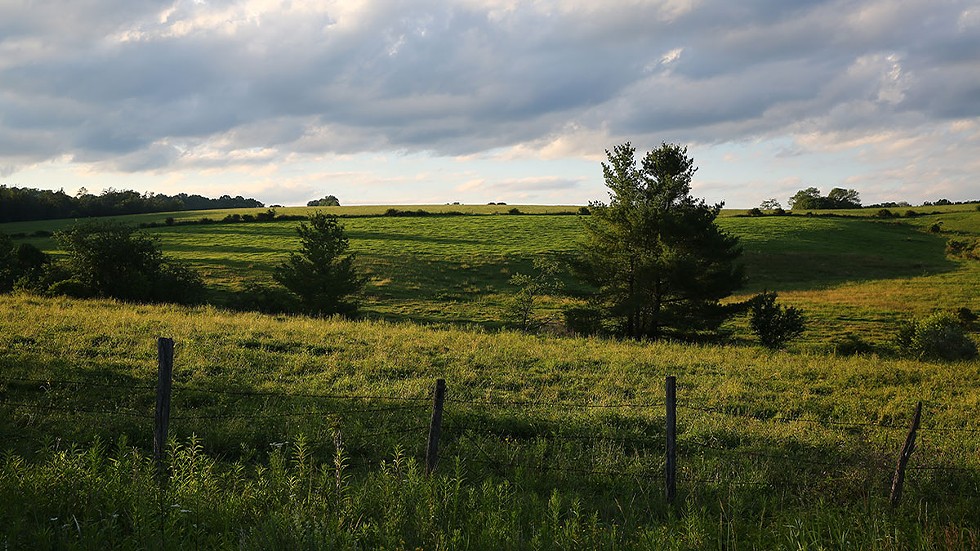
[[773, 324], [938, 337], [967, 248]]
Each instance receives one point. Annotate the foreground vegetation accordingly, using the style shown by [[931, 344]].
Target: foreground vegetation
[[548, 443]]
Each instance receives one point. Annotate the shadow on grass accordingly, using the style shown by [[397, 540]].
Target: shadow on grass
[[825, 257]]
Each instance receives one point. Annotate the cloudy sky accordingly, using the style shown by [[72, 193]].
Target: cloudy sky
[[425, 101]]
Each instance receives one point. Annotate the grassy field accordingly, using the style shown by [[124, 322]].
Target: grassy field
[[852, 274], [291, 432]]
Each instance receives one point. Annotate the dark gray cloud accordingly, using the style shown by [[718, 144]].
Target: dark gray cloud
[[145, 85]]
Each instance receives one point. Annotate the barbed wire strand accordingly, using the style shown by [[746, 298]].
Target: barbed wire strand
[[78, 410], [793, 419], [564, 404], [44, 382], [754, 453], [565, 437], [331, 396]]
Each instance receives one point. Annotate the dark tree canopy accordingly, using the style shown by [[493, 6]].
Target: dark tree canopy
[[107, 259], [328, 201], [22, 204], [322, 274], [658, 261], [838, 198]]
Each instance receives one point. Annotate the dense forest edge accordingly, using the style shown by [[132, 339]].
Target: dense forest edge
[[26, 204]]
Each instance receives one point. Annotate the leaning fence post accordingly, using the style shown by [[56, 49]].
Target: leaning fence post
[[165, 367], [435, 427], [671, 469], [899, 479]]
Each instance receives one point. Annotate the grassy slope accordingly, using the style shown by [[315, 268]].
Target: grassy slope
[[774, 471], [852, 275], [763, 460]]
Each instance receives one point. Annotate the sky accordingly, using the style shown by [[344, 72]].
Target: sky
[[476, 101]]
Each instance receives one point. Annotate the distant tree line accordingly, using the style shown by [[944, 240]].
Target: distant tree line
[[24, 204], [328, 201], [838, 198]]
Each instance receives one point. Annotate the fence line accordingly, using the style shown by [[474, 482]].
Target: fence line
[[287, 395], [78, 410], [49, 382], [733, 451], [483, 431], [640, 443], [555, 404]]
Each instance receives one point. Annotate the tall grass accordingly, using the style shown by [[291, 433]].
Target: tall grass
[[776, 450]]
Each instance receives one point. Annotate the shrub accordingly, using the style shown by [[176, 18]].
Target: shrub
[[911, 213], [584, 211], [521, 305], [936, 228], [514, 210], [755, 211], [938, 337], [71, 288], [773, 324], [965, 315], [852, 345], [968, 249], [169, 221], [884, 213], [583, 320], [111, 260], [268, 299], [7, 261], [779, 211]]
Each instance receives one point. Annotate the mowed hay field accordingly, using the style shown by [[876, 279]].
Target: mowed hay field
[[292, 432]]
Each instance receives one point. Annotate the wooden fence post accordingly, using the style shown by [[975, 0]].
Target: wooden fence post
[[435, 427], [671, 470], [165, 367], [899, 479]]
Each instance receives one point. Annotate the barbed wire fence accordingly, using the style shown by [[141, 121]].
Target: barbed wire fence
[[651, 452]]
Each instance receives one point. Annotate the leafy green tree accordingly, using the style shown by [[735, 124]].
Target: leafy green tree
[[840, 198], [773, 324], [805, 199], [770, 204], [328, 201], [107, 259], [531, 288], [654, 254], [321, 274]]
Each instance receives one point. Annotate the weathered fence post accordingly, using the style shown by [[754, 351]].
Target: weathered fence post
[[671, 470], [899, 479], [435, 427], [165, 368]]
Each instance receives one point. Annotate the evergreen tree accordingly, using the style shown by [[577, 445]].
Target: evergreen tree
[[321, 274], [658, 261]]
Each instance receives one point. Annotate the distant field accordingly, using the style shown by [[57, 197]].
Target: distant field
[[852, 274]]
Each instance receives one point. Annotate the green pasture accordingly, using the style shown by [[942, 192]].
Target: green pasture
[[853, 274], [292, 432]]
